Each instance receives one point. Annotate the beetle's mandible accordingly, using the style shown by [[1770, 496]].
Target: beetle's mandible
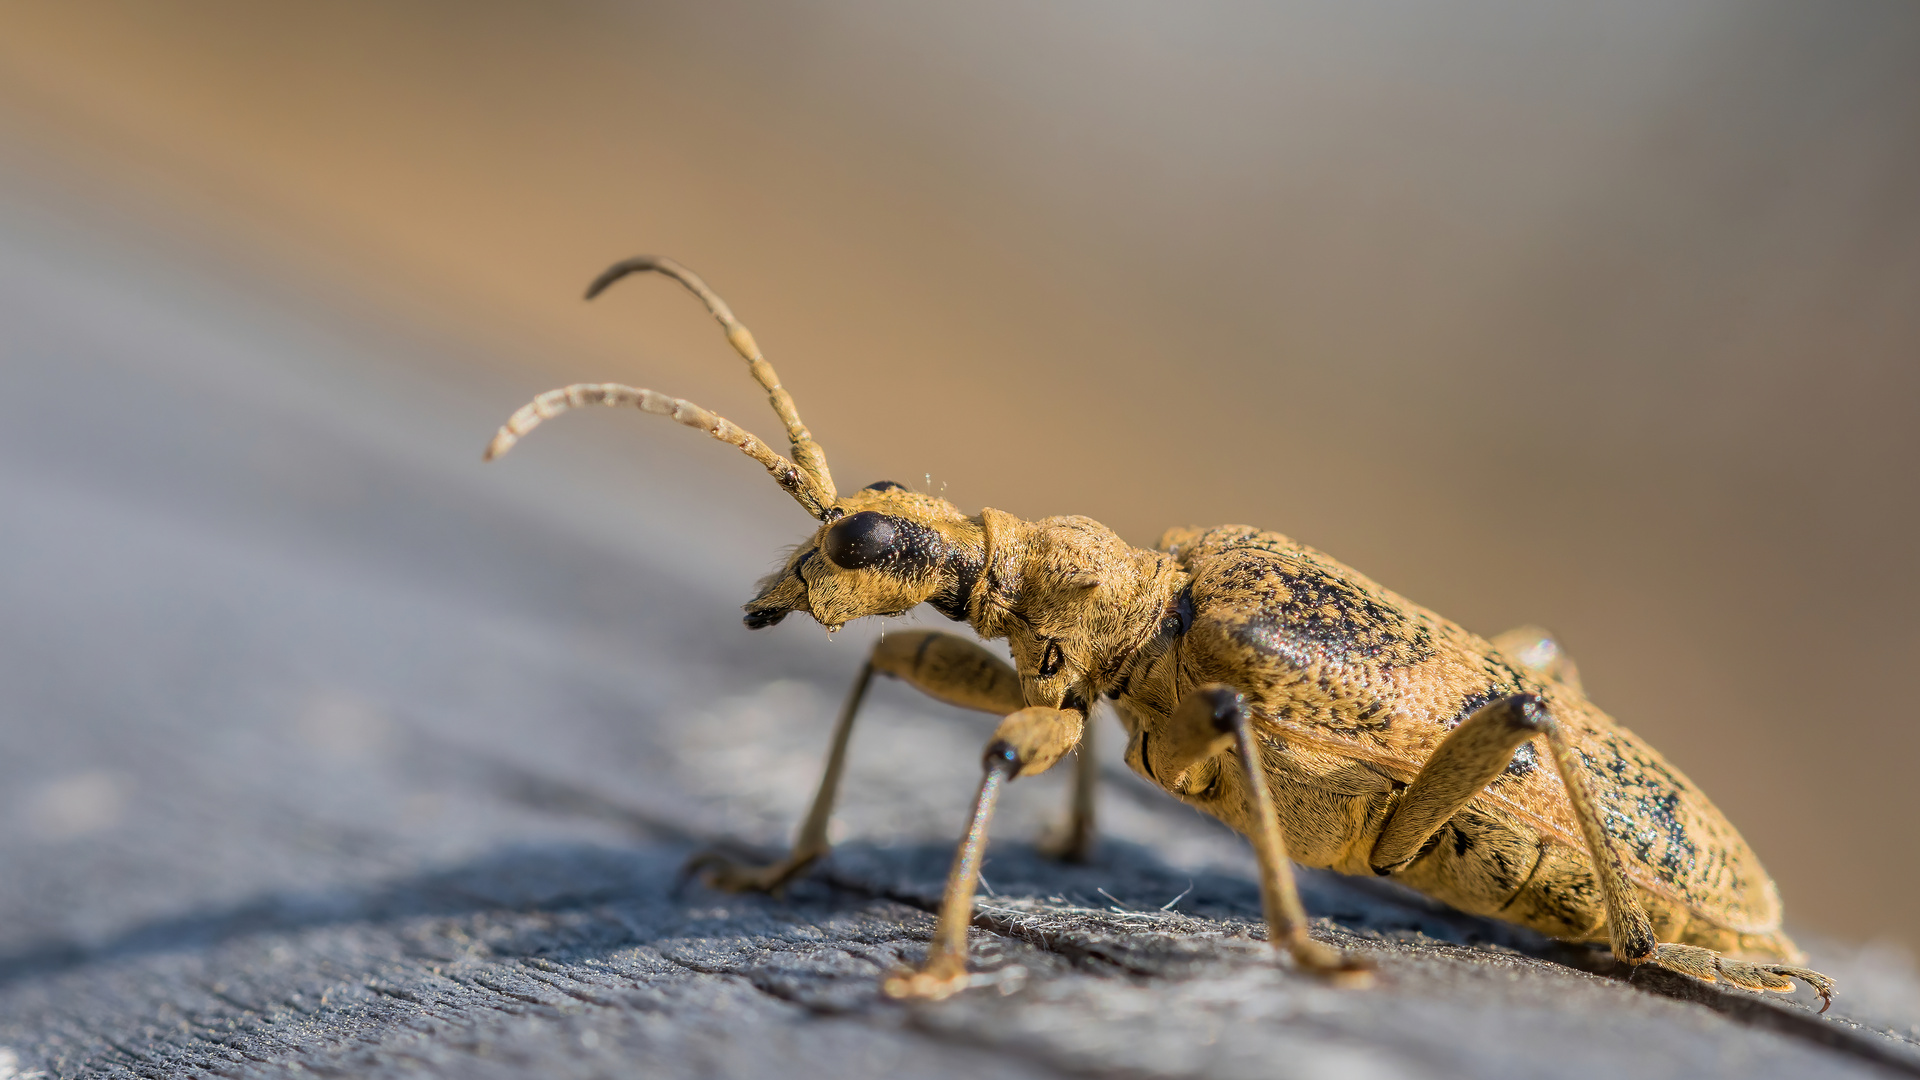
[[1332, 722]]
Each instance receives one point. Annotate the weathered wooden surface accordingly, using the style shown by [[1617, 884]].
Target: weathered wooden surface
[[325, 750]]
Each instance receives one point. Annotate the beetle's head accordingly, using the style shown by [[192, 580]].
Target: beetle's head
[[879, 551]]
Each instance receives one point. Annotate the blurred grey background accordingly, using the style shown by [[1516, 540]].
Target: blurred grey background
[[1600, 316]]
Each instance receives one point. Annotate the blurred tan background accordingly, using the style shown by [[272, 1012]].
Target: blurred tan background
[[1604, 316]]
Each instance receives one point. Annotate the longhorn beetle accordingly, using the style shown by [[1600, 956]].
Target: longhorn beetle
[[1332, 722]]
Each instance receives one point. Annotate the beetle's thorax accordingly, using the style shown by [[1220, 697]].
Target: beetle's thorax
[[1071, 598]]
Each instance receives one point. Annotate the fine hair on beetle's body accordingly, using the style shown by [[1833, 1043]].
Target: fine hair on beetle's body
[[1332, 722]]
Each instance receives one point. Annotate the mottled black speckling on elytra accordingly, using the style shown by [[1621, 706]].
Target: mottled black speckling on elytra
[[1525, 759], [1504, 682], [1642, 807], [1307, 614]]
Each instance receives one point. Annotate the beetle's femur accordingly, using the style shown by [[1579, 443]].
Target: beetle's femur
[[805, 477]]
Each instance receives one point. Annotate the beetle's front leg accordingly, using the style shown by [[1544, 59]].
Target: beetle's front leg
[[720, 871], [1026, 743], [1208, 722], [944, 666]]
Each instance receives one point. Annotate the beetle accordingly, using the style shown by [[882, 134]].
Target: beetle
[[1332, 722]]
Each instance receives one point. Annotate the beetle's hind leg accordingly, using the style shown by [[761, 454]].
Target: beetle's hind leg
[[944, 666], [1461, 767], [1478, 751], [1628, 927], [1209, 722]]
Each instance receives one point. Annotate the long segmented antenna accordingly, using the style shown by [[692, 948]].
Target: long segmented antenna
[[807, 454], [554, 402], [805, 477]]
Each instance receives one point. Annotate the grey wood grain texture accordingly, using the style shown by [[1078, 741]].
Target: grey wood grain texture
[[324, 750]]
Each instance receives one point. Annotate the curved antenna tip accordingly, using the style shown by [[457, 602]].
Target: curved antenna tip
[[621, 269], [502, 442], [807, 454]]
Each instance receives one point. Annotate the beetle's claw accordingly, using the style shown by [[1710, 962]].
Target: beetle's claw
[[1815, 981]]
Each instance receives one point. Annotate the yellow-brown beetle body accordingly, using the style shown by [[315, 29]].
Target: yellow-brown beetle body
[[1357, 687], [1331, 721]]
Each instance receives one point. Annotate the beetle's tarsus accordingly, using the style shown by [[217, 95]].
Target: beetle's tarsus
[[1709, 966], [941, 977], [718, 870], [1338, 966]]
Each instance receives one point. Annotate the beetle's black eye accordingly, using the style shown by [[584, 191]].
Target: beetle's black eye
[[860, 541], [884, 485]]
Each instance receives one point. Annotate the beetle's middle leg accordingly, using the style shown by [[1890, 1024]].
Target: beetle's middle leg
[[1208, 722], [1478, 751], [1072, 839], [944, 666]]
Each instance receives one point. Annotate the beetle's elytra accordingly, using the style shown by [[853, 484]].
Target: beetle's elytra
[[1332, 722]]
